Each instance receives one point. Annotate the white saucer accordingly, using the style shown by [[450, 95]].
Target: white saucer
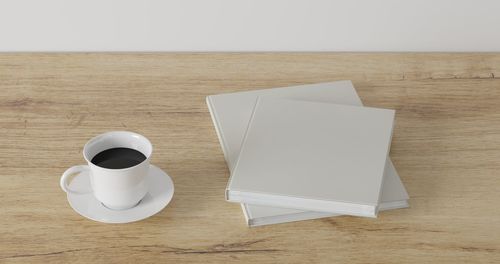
[[161, 190]]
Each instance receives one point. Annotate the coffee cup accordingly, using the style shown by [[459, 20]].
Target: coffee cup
[[118, 165]]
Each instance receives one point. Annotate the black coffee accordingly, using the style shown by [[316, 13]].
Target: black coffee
[[118, 158]]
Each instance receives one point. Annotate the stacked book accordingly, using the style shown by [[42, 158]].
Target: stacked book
[[306, 152]]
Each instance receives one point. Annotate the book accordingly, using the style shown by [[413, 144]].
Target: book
[[313, 156], [231, 113]]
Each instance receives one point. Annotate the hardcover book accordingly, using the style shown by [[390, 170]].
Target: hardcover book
[[313, 156], [231, 113]]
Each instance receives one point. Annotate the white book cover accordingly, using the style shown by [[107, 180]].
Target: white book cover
[[313, 156], [231, 113]]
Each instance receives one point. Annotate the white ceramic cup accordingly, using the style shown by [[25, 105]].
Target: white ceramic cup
[[117, 189]]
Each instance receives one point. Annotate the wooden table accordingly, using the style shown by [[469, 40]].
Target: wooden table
[[446, 147]]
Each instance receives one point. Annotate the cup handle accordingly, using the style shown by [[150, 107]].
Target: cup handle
[[64, 178]]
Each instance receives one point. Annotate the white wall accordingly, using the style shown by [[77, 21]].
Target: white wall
[[249, 25]]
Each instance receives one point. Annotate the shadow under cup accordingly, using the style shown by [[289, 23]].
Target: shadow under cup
[[118, 189]]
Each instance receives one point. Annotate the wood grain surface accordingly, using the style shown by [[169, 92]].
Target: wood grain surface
[[446, 147]]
